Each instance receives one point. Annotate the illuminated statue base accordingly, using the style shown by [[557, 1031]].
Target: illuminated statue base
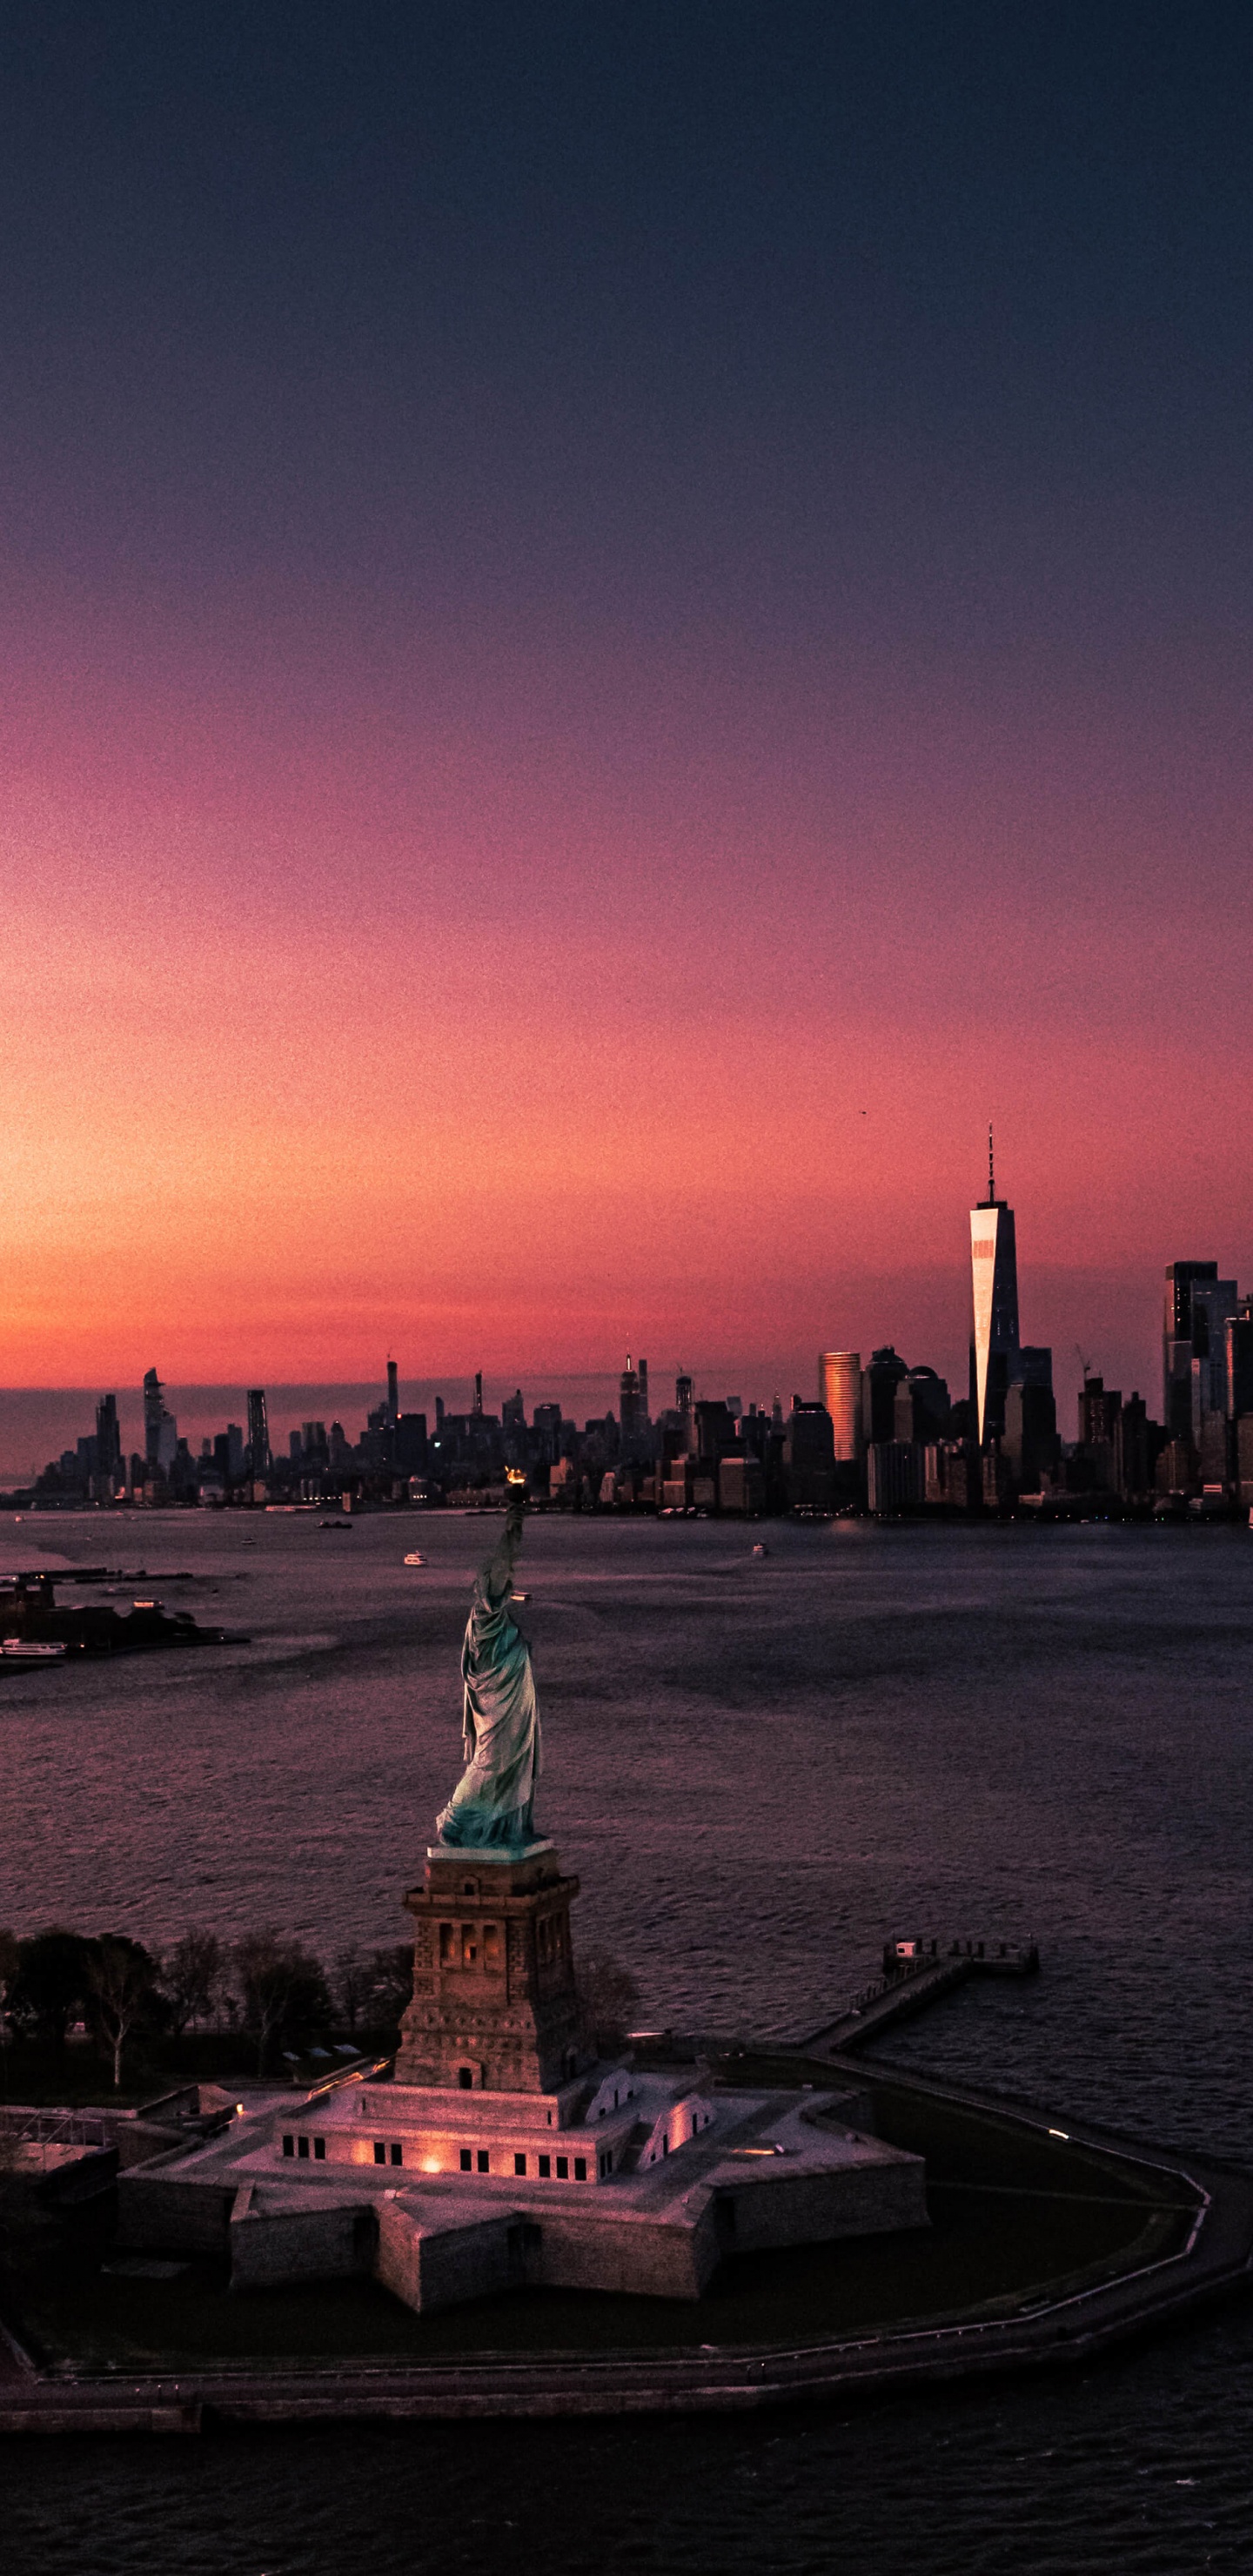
[[504, 2152]]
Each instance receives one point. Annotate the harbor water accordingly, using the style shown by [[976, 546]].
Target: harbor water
[[759, 1768]]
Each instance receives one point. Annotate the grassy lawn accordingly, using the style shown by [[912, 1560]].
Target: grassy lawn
[[1013, 2216]]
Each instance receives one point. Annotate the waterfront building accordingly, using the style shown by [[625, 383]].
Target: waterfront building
[[951, 1475], [1238, 1341], [1177, 1467], [994, 1307], [839, 1389], [895, 1476], [741, 1484], [1030, 1444], [1242, 1444], [809, 1458]]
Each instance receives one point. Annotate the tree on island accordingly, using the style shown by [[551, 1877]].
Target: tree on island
[[282, 1989], [121, 1995], [191, 1977], [352, 1985], [608, 1995], [391, 1983], [49, 1987]]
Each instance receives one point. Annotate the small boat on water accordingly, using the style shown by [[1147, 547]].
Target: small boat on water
[[415, 1559], [24, 1650]]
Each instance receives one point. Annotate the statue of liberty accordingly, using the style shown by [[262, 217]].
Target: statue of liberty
[[491, 1804]]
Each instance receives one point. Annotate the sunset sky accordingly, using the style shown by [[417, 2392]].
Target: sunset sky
[[619, 623]]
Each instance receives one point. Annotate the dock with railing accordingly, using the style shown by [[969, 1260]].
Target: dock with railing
[[916, 1973]]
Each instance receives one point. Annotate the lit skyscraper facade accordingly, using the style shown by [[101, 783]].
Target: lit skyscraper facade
[[839, 1388], [994, 1326]]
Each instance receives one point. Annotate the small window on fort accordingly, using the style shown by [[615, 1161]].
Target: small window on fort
[[484, 2160], [398, 2155], [545, 2168], [465, 2078], [289, 2146], [468, 1887], [519, 2164], [380, 2151], [466, 2160], [491, 1945], [302, 2148], [563, 2169], [446, 1953], [580, 2168], [319, 2151], [469, 1944]]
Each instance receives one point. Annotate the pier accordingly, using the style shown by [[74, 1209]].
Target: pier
[[916, 1973]]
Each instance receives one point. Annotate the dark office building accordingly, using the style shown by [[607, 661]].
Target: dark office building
[[258, 1432], [921, 1407], [1239, 1360], [108, 1442], [1099, 1408], [879, 1383], [411, 1444], [1034, 1365], [546, 1426], [1137, 1447], [1177, 1343], [1030, 1444], [633, 1412], [808, 1457], [716, 1432]]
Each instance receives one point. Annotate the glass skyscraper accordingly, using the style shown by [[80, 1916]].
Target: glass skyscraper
[[994, 1348]]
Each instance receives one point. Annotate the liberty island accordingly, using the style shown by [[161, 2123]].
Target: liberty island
[[431, 2232], [503, 2150]]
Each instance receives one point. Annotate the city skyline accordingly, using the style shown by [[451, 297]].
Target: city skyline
[[36, 1420]]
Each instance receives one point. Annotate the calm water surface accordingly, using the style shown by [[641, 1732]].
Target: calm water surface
[[758, 1769]]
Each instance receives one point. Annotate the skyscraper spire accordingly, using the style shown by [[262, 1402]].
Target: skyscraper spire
[[991, 1170]]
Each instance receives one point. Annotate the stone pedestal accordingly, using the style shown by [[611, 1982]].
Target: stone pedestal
[[494, 2003]]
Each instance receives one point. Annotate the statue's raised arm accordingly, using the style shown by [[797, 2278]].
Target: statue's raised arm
[[492, 1802]]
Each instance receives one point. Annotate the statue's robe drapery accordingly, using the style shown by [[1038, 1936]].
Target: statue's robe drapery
[[492, 1802]]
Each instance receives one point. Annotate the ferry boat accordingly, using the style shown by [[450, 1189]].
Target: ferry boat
[[415, 1559], [25, 1650]]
